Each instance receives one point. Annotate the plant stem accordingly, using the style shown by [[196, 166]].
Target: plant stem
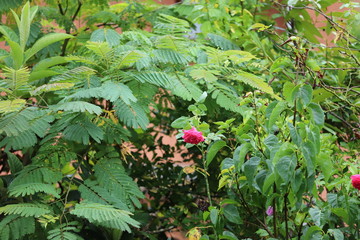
[[286, 217], [208, 188], [246, 206], [274, 216]]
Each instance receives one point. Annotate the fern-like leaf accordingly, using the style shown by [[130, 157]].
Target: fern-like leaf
[[129, 58], [133, 115], [105, 215], [110, 91], [14, 163], [221, 42], [157, 78], [12, 105], [51, 87], [15, 227], [32, 188], [16, 79], [170, 56], [111, 175], [106, 35], [66, 231], [36, 174], [79, 106], [82, 131], [167, 24], [74, 75], [185, 88], [255, 82], [92, 192], [25, 209], [225, 97]]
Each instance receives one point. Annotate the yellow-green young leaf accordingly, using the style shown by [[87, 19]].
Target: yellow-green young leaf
[[223, 181], [12, 105], [259, 26], [208, 76], [313, 65], [51, 87], [238, 56], [129, 58], [255, 82], [194, 234]]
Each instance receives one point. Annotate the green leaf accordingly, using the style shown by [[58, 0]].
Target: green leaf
[[214, 214], [285, 167], [308, 151], [49, 62], [213, 149], [312, 64], [342, 213], [275, 114], [287, 92], [250, 168], [240, 153], [315, 214], [317, 114], [44, 42], [17, 54], [41, 74], [232, 214], [269, 181], [181, 122], [337, 233], [325, 163], [24, 25], [228, 235], [302, 93], [14, 163], [311, 231]]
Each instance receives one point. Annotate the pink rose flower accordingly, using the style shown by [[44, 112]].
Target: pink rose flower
[[193, 136], [355, 181]]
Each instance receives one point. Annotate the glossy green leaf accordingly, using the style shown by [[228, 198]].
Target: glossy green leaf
[[213, 149]]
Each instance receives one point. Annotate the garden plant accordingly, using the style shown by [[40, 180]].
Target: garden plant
[[263, 98]]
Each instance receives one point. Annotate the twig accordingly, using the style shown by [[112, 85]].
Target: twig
[[244, 203]]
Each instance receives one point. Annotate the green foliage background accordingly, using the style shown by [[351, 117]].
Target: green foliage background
[[279, 110]]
